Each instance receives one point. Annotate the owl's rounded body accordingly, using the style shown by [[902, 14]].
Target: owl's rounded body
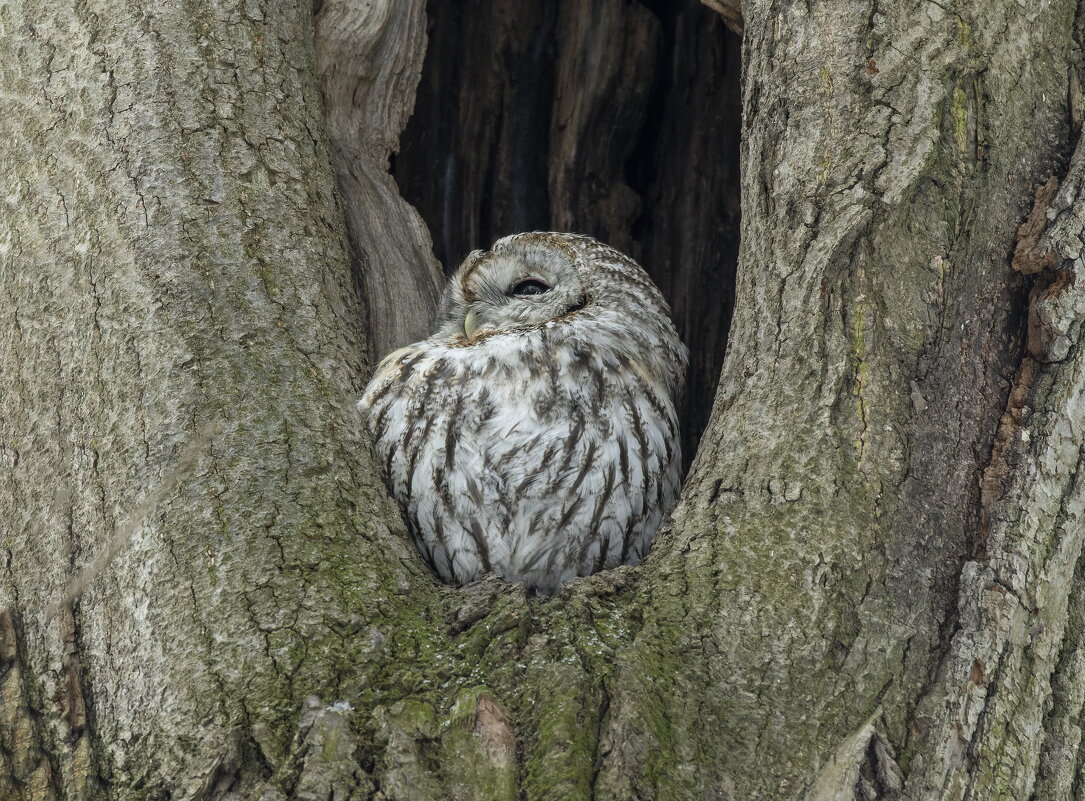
[[534, 435]]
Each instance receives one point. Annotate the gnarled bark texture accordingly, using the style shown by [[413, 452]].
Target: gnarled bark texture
[[369, 58], [872, 587]]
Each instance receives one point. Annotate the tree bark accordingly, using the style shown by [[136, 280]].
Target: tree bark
[[173, 262], [871, 588], [369, 59]]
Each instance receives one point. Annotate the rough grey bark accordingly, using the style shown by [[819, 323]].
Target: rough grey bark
[[872, 351], [172, 263], [871, 588], [983, 719]]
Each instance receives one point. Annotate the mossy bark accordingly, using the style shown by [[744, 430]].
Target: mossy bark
[[870, 588]]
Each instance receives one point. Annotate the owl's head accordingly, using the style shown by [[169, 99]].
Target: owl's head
[[527, 280], [522, 282]]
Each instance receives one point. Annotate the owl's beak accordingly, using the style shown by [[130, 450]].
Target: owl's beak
[[470, 323]]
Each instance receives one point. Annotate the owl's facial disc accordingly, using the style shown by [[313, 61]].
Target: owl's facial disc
[[529, 287], [515, 288]]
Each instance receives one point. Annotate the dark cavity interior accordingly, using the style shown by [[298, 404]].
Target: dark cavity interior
[[611, 118]]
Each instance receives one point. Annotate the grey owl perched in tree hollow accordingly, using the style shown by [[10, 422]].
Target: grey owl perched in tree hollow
[[534, 434]]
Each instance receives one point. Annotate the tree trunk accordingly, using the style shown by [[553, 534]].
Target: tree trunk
[[871, 587]]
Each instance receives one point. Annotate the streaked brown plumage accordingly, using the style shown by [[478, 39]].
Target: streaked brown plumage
[[534, 433]]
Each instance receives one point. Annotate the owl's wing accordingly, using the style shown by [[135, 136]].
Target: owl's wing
[[388, 373]]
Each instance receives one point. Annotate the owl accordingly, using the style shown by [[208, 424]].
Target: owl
[[534, 434]]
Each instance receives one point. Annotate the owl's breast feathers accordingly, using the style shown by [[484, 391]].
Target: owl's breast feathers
[[540, 455]]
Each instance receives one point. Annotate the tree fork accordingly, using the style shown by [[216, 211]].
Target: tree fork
[[811, 625]]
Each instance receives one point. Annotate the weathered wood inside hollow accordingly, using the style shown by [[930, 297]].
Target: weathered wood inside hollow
[[730, 10]]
